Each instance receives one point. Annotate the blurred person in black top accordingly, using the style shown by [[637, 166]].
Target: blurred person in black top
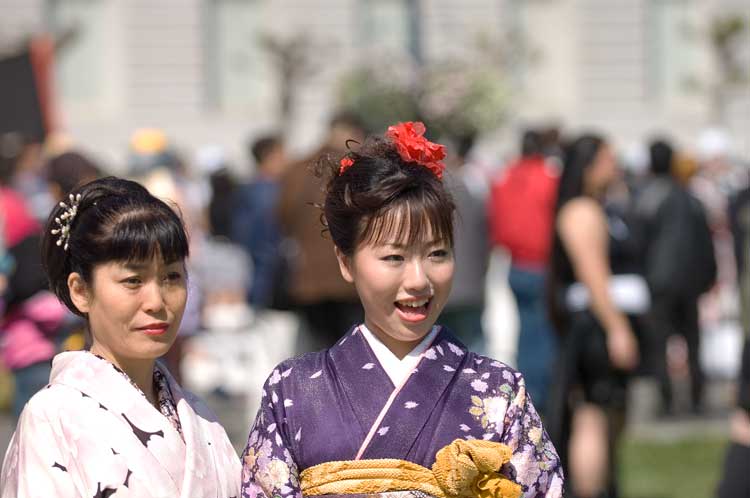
[[591, 305], [254, 225], [679, 266]]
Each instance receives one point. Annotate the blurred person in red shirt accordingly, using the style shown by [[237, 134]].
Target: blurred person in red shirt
[[521, 208]]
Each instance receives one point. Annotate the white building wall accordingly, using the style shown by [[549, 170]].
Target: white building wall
[[452, 29], [594, 66], [550, 89], [18, 18], [164, 56]]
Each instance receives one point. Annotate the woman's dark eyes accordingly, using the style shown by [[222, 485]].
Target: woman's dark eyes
[[440, 253], [134, 281]]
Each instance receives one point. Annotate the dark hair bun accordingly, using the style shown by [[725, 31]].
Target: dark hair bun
[[382, 198]]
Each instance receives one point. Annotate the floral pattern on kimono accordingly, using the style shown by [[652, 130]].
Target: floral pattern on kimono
[[90, 433], [322, 407], [167, 405]]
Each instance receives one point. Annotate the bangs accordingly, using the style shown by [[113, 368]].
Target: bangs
[[412, 220], [143, 235]]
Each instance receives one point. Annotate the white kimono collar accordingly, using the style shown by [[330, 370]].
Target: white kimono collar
[[397, 368]]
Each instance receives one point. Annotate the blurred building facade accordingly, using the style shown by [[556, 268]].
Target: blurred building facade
[[198, 68]]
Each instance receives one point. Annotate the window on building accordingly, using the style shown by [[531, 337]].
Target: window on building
[[387, 26], [239, 73], [83, 76], [670, 55]]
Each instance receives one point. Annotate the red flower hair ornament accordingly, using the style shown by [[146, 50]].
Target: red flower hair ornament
[[346, 163], [412, 146]]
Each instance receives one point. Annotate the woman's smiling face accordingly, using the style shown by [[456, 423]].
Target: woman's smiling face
[[403, 288]]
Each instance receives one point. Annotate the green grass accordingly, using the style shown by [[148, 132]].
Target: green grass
[[683, 469]]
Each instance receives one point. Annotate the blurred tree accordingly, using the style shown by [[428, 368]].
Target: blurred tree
[[457, 97], [381, 94], [293, 61], [728, 36]]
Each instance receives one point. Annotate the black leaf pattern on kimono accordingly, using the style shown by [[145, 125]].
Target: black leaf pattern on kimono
[[143, 436], [60, 466], [127, 478], [104, 493], [100, 405]]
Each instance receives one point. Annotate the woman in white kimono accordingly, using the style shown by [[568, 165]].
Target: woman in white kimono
[[113, 422]]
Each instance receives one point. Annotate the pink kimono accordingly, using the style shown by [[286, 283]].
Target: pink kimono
[[90, 433]]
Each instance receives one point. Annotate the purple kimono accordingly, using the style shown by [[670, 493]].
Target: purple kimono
[[339, 404]]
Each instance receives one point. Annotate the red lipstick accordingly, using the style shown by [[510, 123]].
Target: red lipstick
[[157, 328]]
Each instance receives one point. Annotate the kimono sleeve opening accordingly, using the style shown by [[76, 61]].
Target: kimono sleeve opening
[[37, 461], [268, 468], [534, 463]]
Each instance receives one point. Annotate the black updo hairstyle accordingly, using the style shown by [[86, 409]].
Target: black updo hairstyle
[[382, 198], [116, 220]]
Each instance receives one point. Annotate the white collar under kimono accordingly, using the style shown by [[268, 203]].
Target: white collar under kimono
[[397, 369]]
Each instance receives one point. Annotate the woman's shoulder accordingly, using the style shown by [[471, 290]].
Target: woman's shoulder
[[487, 375], [54, 402], [579, 215], [304, 366], [582, 206], [478, 365]]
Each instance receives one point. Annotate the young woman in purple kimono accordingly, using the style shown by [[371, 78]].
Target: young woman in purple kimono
[[398, 405], [112, 422]]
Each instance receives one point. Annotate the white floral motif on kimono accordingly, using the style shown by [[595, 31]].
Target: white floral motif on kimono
[[341, 404], [90, 433]]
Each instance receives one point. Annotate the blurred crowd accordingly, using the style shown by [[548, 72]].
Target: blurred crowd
[[649, 244]]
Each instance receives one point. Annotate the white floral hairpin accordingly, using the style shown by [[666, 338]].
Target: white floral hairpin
[[65, 220]]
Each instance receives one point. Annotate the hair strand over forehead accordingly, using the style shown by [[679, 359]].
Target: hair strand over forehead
[[407, 223]]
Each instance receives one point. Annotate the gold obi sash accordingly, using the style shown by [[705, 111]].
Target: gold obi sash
[[462, 469]]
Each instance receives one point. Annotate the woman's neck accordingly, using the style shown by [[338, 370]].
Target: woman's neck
[[140, 371], [397, 347]]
